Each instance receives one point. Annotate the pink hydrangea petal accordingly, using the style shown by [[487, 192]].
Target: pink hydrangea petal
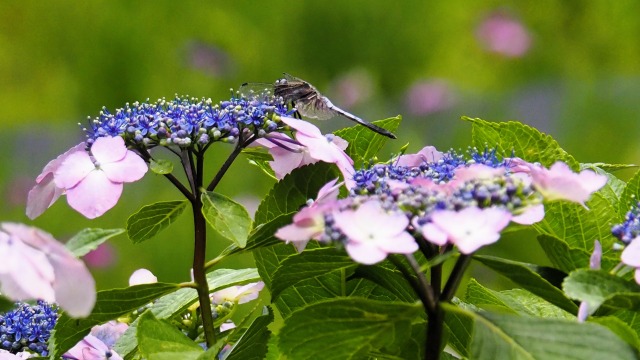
[[596, 256], [42, 196], [25, 273], [285, 161], [142, 276], [54, 164], [434, 234], [91, 348], [227, 326], [74, 286], [530, 215], [249, 292], [636, 276], [365, 253], [302, 126], [402, 243], [109, 332], [294, 232], [470, 244], [328, 191], [631, 253], [67, 276], [371, 217], [94, 195], [428, 153], [73, 170], [340, 143], [129, 169], [108, 149], [478, 171]]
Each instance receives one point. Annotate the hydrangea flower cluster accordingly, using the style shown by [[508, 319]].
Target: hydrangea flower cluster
[[186, 121], [629, 233], [630, 228], [427, 164], [28, 327], [442, 199]]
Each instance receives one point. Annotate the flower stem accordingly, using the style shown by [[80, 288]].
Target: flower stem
[[223, 169], [456, 276], [199, 274]]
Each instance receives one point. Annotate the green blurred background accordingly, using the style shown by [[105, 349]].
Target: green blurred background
[[568, 68]]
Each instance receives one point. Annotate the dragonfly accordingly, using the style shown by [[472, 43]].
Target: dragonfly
[[310, 103]]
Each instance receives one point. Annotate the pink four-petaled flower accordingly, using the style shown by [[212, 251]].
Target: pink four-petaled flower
[[92, 182], [468, 229], [373, 232]]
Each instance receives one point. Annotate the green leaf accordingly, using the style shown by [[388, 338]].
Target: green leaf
[[459, 326], [500, 336], [151, 219], [620, 328], [614, 187], [311, 264], [177, 302], [292, 192], [159, 340], [568, 259], [611, 167], [110, 304], [579, 227], [539, 280], [388, 278], [89, 239], [161, 166], [598, 287], [364, 144], [527, 143], [516, 301], [260, 158], [230, 219], [6, 304], [630, 196], [253, 343], [261, 236], [347, 328]]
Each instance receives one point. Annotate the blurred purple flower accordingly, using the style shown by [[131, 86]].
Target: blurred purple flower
[[102, 257], [504, 35], [429, 96], [208, 58], [352, 88]]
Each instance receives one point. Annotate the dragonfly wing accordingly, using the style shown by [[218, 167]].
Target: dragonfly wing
[[257, 89], [315, 108]]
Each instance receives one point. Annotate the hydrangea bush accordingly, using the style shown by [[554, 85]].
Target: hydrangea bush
[[363, 255]]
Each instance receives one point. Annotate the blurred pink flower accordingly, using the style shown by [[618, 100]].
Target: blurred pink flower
[[631, 256], [142, 276], [560, 183], [504, 35], [469, 229], [238, 294], [373, 232], [308, 223], [109, 332], [102, 257], [529, 215], [34, 265], [97, 345], [594, 263], [428, 97], [352, 88]]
